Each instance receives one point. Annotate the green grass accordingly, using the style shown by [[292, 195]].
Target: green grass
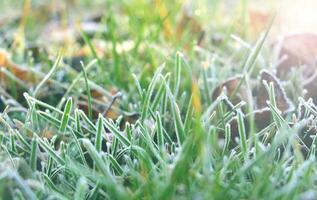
[[50, 148]]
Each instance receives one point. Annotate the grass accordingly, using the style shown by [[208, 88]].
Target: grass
[[53, 148]]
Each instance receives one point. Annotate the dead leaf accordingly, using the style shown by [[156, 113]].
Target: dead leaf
[[19, 72], [163, 12], [282, 101], [113, 111], [311, 91], [229, 87], [258, 21], [262, 118], [196, 103], [296, 50], [300, 50], [261, 114], [187, 22], [108, 108], [130, 118]]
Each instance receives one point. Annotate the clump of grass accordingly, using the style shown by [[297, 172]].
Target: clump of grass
[[81, 160], [174, 150]]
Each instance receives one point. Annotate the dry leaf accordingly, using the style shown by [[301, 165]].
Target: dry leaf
[[163, 12], [262, 118], [130, 118], [296, 50], [258, 21], [282, 101], [229, 87], [262, 114], [311, 89], [187, 22], [108, 108], [196, 102], [300, 50], [19, 72]]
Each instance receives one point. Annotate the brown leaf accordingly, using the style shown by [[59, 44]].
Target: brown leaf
[[262, 118], [130, 118], [296, 50], [83, 105], [258, 21], [187, 22], [311, 91], [282, 101], [163, 13], [229, 87], [19, 72], [109, 109], [262, 114], [300, 50]]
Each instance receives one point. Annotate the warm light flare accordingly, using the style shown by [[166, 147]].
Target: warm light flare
[[291, 16]]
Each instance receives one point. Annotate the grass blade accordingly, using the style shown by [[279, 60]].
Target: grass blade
[[49, 74], [100, 132], [33, 157], [242, 134], [51, 151], [148, 95], [88, 91], [97, 160], [116, 133], [65, 116]]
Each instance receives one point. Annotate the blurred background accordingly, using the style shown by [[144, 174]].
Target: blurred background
[[136, 36], [244, 17]]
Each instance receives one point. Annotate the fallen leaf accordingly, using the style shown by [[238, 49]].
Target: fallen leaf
[[27, 76], [83, 105], [187, 21], [262, 118], [16, 70], [163, 12], [300, 50], [262, 114], [196, 102], [282, 101], [108, 108], [258, 21], [130, 118], [296, 50], [228, 87]]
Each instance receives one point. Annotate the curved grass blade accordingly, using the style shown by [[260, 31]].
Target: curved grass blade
[[88, 90], [148, 95], [49, 74], [98, 160], [50, 151], [66, 114], [116, 133], [242, 134]]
